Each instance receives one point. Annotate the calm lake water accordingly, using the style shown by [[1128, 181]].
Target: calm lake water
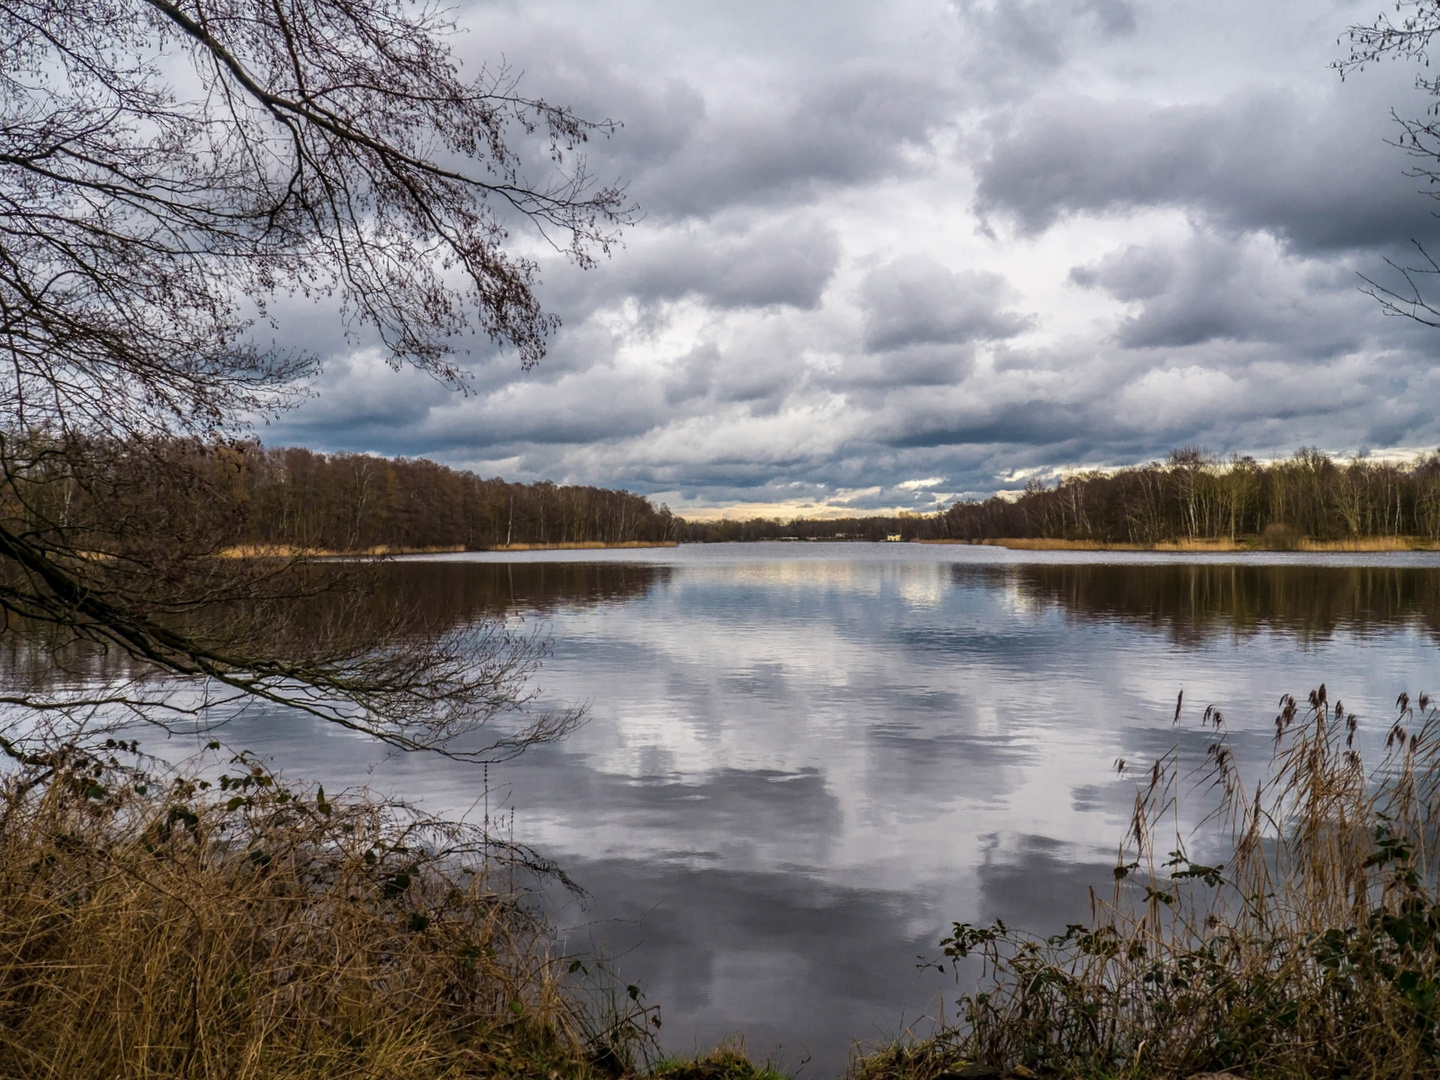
[[803, 761]]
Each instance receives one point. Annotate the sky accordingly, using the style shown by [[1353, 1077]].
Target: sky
[[899, 252]]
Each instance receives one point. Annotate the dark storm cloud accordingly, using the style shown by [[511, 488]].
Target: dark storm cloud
[[850, 126], [1025, 422], [1272, 160], [725, 265], [1043, 30], [1224, 287], [782, 262], [692, 374], [916, 301], [354, 400], [917, 365], [364, 405], [686, 153], [706, 372]]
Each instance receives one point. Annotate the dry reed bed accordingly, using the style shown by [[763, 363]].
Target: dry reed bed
[[176, 928], [1310, 949], [1293, 543], [585, 545], [295, 551], [1369, 543], [292, 551]]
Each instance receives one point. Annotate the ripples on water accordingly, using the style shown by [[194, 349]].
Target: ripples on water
[[803, 761]]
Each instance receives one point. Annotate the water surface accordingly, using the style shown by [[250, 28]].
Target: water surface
[[803, 761]]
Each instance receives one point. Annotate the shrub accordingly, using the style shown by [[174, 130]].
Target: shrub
[[1277, 537]]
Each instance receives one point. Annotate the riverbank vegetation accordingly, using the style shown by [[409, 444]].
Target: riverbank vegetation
[[1305, 944], [155, 923], [219, 923], [1272, 540]]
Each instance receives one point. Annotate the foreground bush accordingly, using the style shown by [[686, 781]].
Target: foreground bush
[[1311, 949], [179, 927]]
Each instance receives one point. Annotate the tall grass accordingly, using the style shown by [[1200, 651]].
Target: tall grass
[[172, 926], [1308, 945], [1368, 543], [1275, 538], [1044, 544]]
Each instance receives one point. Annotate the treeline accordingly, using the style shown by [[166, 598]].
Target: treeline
[[1196, 495], [169, 493], [356, 502]]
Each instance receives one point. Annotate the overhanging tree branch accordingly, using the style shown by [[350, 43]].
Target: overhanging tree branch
[[168, 168]]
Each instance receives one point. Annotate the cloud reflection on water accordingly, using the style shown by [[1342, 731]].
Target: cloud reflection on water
[[802, 762]]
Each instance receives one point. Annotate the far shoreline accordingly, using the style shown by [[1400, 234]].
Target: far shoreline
[[1303, 545], [1244, 545], [291, 551]]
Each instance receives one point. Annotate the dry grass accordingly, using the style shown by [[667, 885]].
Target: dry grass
[[728, 1061], [1264, 543], [292, 551], [587, 545], [1369, 543], [173, 928], [1040, 544], [1310, 949]]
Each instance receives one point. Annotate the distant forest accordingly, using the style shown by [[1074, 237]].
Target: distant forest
[[1195, 495], [354, 502]]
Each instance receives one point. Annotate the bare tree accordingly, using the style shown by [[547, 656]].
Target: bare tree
[[168, 168], [1407, 36]]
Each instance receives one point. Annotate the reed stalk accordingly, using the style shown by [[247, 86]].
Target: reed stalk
[[1309, 946]]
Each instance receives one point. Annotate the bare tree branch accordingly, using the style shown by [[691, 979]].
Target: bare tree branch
[[167, 169]]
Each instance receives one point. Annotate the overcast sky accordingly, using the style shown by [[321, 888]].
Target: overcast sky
[[897, 252]]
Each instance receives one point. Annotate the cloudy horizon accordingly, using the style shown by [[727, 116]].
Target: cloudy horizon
[[891, 255]]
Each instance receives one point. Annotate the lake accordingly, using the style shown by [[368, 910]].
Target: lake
[[802, 762]]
